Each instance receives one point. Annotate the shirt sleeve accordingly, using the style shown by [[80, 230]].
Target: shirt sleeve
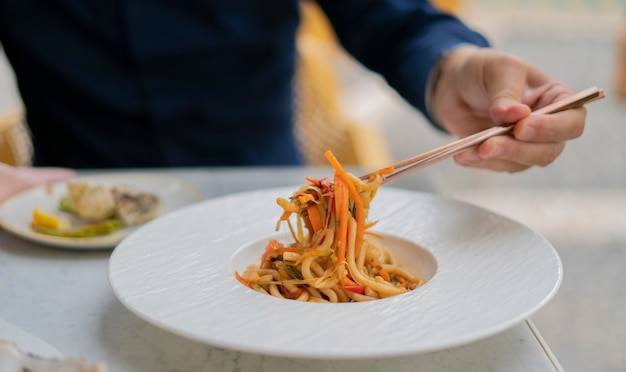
[[400, 39]]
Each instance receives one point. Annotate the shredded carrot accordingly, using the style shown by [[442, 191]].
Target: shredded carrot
[[342, 212], [381, 271], [370, 224], [358, 202], [384, 274], [242, 280], [347, 281], [402, 282], [314, 216], [374, 235], [285, 215]]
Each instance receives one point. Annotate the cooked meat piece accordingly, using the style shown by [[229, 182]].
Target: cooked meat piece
[[135, 207], [91, 202], [95, 203]]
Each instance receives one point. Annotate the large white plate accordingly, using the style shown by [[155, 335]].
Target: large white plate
[[16, 212], [489, 274]]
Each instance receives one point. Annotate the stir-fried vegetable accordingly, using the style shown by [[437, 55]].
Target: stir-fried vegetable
[[329, 258]]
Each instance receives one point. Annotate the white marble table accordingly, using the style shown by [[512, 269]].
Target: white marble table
[[64, 298]]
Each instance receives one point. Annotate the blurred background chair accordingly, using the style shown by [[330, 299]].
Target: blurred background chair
[[621, 60], [15, 142], [451, 6], [321, 123]]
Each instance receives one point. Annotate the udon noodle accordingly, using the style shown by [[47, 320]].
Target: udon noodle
[[333, 257]]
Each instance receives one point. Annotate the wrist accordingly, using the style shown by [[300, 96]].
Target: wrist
[[444, 76]]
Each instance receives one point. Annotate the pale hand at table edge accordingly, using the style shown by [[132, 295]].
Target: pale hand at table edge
[[16, 179]]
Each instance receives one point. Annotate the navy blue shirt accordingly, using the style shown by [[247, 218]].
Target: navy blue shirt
[[142, 83]]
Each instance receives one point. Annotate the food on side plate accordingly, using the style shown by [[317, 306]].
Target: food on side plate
[[49, 221], [12, 359], [101, 209], [92, 203], [337, 259]]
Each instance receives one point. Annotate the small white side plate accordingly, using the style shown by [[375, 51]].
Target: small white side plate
[[16, 212], [26, 342]]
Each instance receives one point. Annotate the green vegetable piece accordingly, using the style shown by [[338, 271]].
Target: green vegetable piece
[[294, 272], [105, 227], [64, 205]]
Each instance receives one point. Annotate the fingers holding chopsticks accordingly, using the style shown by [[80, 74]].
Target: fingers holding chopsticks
[[536, 140], [479, 88], [506, 154], [561, 126], [539, 140]]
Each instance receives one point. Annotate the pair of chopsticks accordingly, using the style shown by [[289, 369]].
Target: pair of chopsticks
[[420, 161]]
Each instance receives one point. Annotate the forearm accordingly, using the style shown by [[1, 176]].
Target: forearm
[[442, 83], [401, 40]]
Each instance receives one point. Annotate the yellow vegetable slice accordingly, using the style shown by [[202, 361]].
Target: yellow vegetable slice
[[49, 221]]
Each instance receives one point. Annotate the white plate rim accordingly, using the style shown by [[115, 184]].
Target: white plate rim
[[146, 298], [181, 195]]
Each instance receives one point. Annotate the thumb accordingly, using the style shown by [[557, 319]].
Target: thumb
[[508, 110], [505, 80]]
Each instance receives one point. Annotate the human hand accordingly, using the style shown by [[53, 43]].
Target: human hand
[[480, 87], [15, 179]]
